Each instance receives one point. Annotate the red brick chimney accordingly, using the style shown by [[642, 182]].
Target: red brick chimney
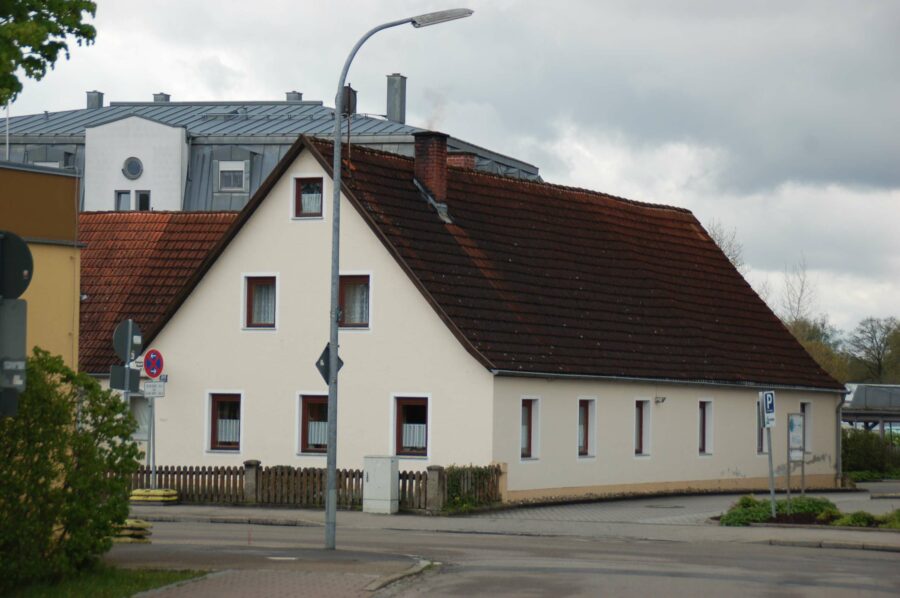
[[431, 163]]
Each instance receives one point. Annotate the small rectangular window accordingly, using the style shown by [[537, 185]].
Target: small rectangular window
[[760, 431], [231, 175], [806, 410], [642, 427], [123, 201], [705, 428], [307, 198], [528, 418], [412, 426], [584, 427], [260, 302], [143, 200], [225, 424], [354, 302], [314, 424]]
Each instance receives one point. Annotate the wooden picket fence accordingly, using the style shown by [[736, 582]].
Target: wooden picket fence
[[305, 486], [201, 485], [472, 486], [413, 486]]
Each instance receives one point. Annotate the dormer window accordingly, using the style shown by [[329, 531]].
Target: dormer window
[[307, 198], [231, 175]]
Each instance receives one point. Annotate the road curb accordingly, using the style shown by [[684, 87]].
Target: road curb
[[830, 544], [231, 520], [420, 566]]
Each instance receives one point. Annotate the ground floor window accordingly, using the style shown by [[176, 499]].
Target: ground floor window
[[225, 424], [585, 427], [642, 427], [529, 428], [760, 431], [314, 424], [705, 426], [806, 410], [412, 426]]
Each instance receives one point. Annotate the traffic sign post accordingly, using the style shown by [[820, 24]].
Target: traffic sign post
[[16, 270], [796, 450], [153, 363], [767, 421]]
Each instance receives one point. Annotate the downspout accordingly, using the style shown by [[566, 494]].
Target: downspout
[[839, 474]]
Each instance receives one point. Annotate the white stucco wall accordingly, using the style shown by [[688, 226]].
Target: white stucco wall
[[162, 150], [407, 350], [674, 436]]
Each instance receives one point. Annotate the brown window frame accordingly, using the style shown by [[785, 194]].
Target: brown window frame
[[527, 451], [398, 426], [584, 411], [639, 427], [704, 416], [251, 284], [306, 401], [298, 199], [342, 290], [215, 400]]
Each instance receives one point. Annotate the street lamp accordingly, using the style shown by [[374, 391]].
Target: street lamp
[[432, 18]]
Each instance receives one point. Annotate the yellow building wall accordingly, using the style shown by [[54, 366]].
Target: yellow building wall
[[53, 301]]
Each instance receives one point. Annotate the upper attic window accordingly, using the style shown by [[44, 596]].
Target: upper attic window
[[132, 168], [307, 198], [231, 175]]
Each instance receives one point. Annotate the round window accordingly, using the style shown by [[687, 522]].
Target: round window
[[133, 168]]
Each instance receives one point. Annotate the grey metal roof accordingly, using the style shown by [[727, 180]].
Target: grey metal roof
[[884, 398], [209, 118]]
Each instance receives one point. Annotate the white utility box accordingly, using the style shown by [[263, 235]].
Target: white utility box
[[381, 485]]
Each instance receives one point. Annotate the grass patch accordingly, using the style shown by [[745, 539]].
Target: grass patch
[[873, 476], [104, 582]]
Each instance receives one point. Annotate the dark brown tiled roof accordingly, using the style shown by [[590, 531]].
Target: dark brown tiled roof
[[133, 265], [543, 279]]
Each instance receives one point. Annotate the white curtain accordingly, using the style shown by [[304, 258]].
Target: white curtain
[[311, 201], [264, 304], [414, 435], [229, 430], [356, 308], [317, 433]]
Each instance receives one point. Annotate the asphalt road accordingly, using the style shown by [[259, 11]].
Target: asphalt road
[[514, 564]]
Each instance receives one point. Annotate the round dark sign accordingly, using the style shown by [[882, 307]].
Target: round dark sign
[[16, 265]]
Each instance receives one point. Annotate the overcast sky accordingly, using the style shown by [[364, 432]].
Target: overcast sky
[[778, 119]]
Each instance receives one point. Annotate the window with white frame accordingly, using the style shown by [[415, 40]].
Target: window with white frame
[[412, 426], [354, 301], [308, 197], [260, 302], [705, 427], [806, 410], [529, 429], [586, 427], [231, 175], [314, 424], [123, 201], [225, 422], [642, 427]]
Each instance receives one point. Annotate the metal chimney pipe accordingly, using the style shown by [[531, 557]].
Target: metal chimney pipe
[[95, 99], [396, 98], [161, 97], [293, 96]]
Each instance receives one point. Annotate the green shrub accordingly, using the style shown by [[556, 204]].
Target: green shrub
[[746, 511], [65, 461], [828, 515], [471, 486], [890, 520], [866, 476], [805, 505], [856, 519], [863, 451]]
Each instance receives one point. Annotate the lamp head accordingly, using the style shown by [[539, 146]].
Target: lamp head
[[442, 16]]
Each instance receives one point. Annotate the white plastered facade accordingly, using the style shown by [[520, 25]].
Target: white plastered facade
[[162, 150]]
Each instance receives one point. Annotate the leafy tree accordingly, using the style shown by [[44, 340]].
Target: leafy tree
[[873, 346], [64, 466], [823, 342], [32, 35]]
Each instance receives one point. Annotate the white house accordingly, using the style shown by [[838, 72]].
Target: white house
[[593, 344]]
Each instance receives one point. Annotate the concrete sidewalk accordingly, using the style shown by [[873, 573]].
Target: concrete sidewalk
[[684, 518]]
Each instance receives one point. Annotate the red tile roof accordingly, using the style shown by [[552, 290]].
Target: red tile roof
[[133, 265], [544, 279]]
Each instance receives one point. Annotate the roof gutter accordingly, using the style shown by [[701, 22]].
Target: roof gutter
[[745, 385]]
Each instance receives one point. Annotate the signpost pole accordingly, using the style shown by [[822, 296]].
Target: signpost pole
[[153, 443], [790, 464], [771, 471], [803, 461], [767, 419]]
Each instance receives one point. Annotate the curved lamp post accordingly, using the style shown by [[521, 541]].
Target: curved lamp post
[[432, 18]]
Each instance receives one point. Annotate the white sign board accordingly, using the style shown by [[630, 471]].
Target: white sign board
[[795, 437], [154, 389], [767, 401]]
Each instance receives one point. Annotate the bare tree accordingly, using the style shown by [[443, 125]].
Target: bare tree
[[799, 296], [871, 344], [726, 239]]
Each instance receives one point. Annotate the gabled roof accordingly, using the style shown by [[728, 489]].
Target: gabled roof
[[544, 280], [133, 265]]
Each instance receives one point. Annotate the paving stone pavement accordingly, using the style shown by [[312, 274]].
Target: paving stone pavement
[[268, 583]]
